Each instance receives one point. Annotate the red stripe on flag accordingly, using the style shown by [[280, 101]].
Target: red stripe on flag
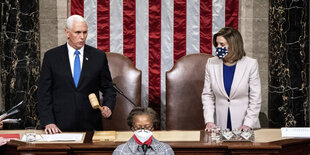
[[206, 26], [231, 13], [129, 26], [179, 29], [77, 7], [154, 53], [103, 25]]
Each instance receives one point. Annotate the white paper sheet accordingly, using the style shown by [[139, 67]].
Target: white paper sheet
[[57, 137], [302, 132]]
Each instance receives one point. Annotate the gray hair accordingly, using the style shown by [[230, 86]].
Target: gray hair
[[74, 18], [143, 111]]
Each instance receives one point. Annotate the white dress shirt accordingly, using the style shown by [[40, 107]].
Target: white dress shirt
[[71, 54]]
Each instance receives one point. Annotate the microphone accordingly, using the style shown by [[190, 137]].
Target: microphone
[[144, 148], [94, 101], [12, 120], [12, 111], [121, 93]]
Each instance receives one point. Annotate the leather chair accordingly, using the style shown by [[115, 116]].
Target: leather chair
[[128, 79], [184, 84]]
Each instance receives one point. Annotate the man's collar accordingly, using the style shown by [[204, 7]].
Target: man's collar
[[71, 49]]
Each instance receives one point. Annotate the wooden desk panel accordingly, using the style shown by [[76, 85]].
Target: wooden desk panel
[[204, 146]]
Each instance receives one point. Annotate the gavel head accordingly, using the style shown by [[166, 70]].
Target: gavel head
[[93, 100]]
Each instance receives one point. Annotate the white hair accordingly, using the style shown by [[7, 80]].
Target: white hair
[[74, 18]]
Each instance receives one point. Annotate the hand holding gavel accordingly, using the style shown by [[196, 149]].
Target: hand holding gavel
[[105, 111]]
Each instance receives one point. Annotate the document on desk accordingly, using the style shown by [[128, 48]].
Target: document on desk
[[62, 137], [301, 132]]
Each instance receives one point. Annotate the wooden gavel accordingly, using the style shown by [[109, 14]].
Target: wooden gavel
[[94, 101]]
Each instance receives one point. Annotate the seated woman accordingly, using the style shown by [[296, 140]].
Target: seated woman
[[142, 122]]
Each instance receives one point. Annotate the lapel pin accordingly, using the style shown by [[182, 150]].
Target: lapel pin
[[86, 58]]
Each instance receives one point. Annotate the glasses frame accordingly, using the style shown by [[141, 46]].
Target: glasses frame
[[150, 128]]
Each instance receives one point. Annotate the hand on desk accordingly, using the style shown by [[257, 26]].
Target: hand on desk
[[52, 129], [106, 112], [210, 126], [3, 140], [244, 127]]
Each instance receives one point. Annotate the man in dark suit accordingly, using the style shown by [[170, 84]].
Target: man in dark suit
[[69, 74]]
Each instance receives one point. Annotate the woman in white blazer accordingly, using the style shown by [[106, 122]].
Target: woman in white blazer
[[231, 95]]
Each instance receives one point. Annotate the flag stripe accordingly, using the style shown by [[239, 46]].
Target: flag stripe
[[77, 7], [142, 45], [206, 26], [166, 46], [116, 26], [90, 12], [232, 13], [129, 26], [192, 26], [218, 17], [103, 25], [179, 35], [154, 53]]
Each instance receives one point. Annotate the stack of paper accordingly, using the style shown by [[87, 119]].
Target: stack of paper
[[63, 137], [296, 132]]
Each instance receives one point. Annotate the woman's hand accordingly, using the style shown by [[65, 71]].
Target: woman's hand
[[244, 127], [210, 126]]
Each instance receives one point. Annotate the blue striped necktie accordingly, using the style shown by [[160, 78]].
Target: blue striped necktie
[[77, 68]]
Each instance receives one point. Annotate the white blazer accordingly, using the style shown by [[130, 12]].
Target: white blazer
[[245, 94]]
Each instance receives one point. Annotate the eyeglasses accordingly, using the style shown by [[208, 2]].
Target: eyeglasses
[[136, 128]]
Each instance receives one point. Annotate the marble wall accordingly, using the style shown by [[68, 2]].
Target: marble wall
[[20, 58], [288, 63]]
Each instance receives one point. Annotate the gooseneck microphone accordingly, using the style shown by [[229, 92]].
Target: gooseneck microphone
[[144, 148], [121, 93], [12, 111]]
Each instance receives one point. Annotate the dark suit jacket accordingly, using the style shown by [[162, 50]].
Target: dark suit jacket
[[61, 103]]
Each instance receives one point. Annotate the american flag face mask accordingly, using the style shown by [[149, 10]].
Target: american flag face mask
[[221, 52]]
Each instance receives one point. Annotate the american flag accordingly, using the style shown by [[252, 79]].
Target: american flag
[[154, 34]]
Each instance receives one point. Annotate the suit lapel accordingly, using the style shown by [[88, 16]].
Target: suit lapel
[[239, 72], [85, 65], [67, 65], [218, 72]]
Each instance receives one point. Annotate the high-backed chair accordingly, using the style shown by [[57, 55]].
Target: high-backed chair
[[128, 79], [184, 84]]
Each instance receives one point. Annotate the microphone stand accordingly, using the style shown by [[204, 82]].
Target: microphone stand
[[121, 93]]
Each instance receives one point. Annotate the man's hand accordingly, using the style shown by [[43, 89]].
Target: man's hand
[[106, 112], [52, 129]]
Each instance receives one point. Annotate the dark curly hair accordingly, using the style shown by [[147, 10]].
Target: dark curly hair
[[143, 111]]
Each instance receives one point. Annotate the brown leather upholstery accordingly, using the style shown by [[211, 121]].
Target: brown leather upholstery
[[184, 84], [128, 79]]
